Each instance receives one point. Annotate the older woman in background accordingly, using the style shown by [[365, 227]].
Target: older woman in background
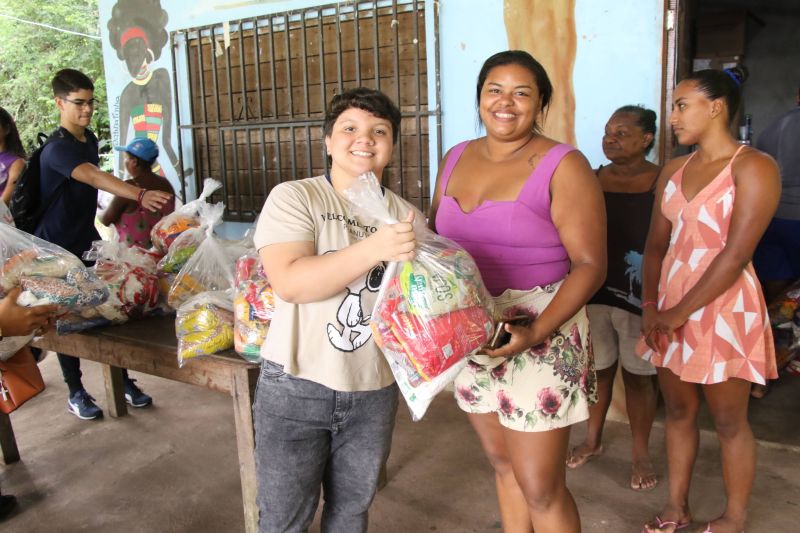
[[614, 311]]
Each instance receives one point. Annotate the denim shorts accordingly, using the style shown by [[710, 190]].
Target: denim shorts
[[310, 437]]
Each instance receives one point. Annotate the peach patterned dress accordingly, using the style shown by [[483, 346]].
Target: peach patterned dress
[[730, 337]]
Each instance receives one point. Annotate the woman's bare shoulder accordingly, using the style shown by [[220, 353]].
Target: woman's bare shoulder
[[672, 166]]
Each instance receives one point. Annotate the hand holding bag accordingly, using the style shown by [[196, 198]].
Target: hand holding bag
[[20, 380]]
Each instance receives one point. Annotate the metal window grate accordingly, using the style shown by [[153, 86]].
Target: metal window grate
[[259, 88]]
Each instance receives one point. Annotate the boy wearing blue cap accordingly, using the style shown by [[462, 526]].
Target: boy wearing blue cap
[[70, 180], [132, 221]]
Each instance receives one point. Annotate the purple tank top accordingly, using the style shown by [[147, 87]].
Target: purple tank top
[[6, 160], [515, 244]]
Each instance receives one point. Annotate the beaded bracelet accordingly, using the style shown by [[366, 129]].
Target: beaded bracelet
[[141, 197], [648, 302]]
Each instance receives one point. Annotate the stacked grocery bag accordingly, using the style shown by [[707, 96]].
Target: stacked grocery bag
[[129, 276], [46, 274], [431, 313], [203, 290], [253, 306]]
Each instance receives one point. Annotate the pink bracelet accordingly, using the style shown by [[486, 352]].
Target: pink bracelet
[[141, 197], [648, 302]]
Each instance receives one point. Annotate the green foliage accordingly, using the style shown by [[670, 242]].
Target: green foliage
[[30, 56]]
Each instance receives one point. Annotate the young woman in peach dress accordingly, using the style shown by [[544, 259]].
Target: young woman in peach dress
[[705, 325]]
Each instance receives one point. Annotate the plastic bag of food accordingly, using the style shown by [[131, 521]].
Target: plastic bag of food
[[181, 249], [253, 306], [204, 325], [211, 267], [46, 273], [431, 313], [129, 274], [186, 216]]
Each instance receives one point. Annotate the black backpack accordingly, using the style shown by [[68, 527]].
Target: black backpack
[[26, 201]]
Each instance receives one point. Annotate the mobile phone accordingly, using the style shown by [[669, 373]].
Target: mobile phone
[[501, 336]]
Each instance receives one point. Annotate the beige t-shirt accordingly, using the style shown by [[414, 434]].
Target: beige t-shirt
[[329, 342]]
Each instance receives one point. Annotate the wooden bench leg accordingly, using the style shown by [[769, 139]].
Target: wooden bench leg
[[8, 443], [115, 391], [243, 387]]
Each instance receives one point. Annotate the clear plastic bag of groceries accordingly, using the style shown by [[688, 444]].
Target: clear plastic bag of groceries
[[253, 306], [204, 325], [46, 273], [211, 267], [183, 218], [431, 313], [130, 276], [184, 246]]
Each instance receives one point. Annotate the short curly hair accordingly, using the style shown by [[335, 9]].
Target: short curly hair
[[370, 100]]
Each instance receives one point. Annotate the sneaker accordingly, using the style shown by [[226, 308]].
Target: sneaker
[[81, 404], [7, 504], [134, 395]]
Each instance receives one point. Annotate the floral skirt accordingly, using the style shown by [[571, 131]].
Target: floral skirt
[[546, 387]]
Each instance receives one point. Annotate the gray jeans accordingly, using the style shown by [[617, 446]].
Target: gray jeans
[[309, 436]]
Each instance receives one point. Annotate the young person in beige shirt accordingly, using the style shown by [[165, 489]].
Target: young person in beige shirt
[[326, 399]]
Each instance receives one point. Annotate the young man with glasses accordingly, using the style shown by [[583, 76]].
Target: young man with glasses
[[70, 179]]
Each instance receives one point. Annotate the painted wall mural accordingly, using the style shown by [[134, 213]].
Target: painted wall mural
[[137, 32], [546, 30]]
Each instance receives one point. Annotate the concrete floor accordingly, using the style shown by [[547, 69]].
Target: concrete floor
[[173, 468]]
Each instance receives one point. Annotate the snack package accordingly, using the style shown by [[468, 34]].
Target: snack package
[[204, 325], [171, 226], [47, 274], [210, 268], [430, 313], [253, 306]]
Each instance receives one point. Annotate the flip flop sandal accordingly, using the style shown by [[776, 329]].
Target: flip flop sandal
[[583, 459], [668, 523]]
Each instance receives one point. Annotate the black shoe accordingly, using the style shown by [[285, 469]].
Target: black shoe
[[134, 395], [82, 405], [7, 504]]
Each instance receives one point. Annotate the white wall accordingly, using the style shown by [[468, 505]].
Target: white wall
[[618, 62]]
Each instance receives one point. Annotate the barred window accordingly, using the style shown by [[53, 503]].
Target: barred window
[[258, 90]]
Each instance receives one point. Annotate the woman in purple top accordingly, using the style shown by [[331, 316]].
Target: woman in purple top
[[12, 155], [531, 213]]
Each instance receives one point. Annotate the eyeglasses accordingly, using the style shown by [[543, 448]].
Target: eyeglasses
[[94, 102]]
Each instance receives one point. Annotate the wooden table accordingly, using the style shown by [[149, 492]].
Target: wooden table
[[149, 346]]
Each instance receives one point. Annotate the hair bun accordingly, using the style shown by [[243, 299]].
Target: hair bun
[[739, 74]]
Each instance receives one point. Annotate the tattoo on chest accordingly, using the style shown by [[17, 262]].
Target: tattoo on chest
[[534, 159]]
